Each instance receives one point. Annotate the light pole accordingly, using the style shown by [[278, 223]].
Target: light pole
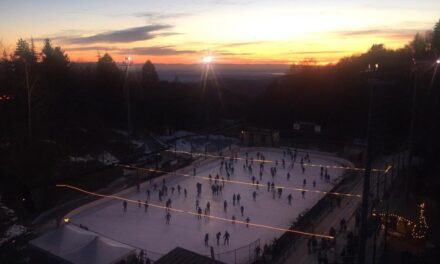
[[417, 68], [366, 185], [127, 63]]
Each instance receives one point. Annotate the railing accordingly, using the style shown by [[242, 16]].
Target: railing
[[242, 255]]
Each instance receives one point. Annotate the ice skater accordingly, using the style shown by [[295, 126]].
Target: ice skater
[[242, 210], [226, 237], [289, 198], [168, 218], [247, 221], [146, 206], [206, 240], [280, 191], [254, 195], [124, 205], [238, 198], [303, 193], [199, 213], [225, 206], [218, 236]]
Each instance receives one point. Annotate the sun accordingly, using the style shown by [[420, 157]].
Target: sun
[[208, 59]]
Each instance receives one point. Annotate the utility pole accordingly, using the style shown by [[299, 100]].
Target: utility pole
[[127, 62], [366, 185]]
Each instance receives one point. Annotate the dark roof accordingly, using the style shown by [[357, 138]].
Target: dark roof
[[182, 256]]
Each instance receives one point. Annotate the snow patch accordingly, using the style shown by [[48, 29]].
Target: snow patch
[[107, 158], [13, 231], [81, 159]]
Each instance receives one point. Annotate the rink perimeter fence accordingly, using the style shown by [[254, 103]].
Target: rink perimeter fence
[[243, 255]]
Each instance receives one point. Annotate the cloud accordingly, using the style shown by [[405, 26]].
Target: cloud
[[318, 52], [238, 44], [390, 33], [157, 51], [122, 36], [160, 15]]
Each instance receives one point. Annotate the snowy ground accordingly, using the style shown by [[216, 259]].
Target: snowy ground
[[149, 230]]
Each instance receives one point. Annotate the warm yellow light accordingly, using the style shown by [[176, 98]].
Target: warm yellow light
[[208, 59], [66, 220]]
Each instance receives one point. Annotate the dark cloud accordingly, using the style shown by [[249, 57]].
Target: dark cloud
[[121, 36], [160, 15], [157, 51], [318, 52], [238, 44], [391, 33]]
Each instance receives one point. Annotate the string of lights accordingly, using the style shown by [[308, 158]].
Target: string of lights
[[194, 213], [420, 229], [272, 161], [240, 182]]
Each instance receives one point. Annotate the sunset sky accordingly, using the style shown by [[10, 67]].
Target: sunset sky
[[239, 31]]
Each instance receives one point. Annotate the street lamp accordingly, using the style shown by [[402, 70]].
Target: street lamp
[[127, 63], [370, 73]]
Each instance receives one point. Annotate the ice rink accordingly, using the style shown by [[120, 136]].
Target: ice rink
[[148, 230]]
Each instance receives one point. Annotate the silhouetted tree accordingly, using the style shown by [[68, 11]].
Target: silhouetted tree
[[435, 42], [25, 60], [150, 78], [420, 46], [109, 95]]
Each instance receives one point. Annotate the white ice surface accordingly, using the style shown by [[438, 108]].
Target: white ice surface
[[149, 231]]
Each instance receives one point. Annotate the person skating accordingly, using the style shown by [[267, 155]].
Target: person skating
[[314, 183], [185, 192], [288, 176], [226, 237], [124, 205], [197, 204], [242, 210], [257, 185], [218, 236], [233, 219], [280, 191], [233, 199], [208, 206], [168, 217], [247, 221], [139, 203], [146, 206], [254, 195], [178, 188], [303, 193], [268, 186], [225, 206], [238, 198], [289, 198], [199, 213], [206, 240], [304, 183], [148, 194]]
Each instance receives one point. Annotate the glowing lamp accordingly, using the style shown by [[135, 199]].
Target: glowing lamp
[[66, 220]]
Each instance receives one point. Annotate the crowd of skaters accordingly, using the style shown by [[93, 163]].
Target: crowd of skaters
[[217, 184]]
